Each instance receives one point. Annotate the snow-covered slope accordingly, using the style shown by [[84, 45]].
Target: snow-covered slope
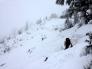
[[14, 13], [41, 46]]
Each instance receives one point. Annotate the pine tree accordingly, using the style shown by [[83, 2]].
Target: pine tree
[[76, 6], [68, 24], [60, 2]]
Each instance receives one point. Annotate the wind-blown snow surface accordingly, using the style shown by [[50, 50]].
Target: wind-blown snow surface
[[45, 40]]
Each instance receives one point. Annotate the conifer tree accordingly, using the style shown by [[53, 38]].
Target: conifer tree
[[76, 6]]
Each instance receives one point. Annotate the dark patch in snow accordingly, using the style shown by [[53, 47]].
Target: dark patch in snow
[[43, 37], [46, 59], [89, 34], [67, 43], [88, 49], [2, 41], [29, 51], [3, 64]]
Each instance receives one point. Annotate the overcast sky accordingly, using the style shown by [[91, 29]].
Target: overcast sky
[[14, 13]]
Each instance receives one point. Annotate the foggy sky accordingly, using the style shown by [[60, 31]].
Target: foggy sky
[[14, 13]]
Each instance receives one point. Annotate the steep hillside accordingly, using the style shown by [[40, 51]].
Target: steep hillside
[[40, 45]]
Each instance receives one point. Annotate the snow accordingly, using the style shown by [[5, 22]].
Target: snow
[[15, 13], [30, 51], [28, 47]]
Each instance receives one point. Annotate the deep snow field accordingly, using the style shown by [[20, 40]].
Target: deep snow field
[[40, 45]]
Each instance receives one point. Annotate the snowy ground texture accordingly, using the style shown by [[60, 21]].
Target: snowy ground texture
[[40, 45]]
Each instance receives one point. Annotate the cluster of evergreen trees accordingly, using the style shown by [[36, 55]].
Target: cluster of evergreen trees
[[79, 10]]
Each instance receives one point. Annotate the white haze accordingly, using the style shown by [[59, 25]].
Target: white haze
[[15, 13]]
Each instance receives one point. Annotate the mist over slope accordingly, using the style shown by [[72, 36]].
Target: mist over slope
[[40, 45], [15, 13], [41, 40]]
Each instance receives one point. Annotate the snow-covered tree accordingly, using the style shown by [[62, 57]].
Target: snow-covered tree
[[68, 24], [60, 2], [76, 6]]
